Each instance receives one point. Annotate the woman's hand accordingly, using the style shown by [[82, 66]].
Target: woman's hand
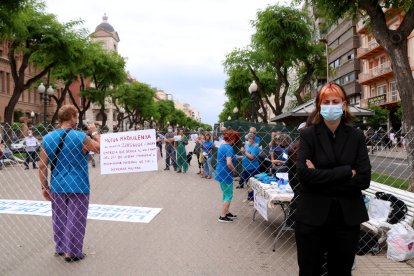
[[278, 162], [310, 164], [46, 194], [353, 173]]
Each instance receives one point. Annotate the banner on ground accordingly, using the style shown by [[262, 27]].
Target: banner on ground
[[127, 152], [96, 211]]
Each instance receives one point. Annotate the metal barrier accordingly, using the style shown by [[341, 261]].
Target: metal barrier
[[185, 237]]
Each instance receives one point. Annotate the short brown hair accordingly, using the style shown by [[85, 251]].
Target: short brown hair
[[231, 136], [66, 113]]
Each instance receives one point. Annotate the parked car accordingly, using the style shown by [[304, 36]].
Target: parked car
[[18, 146]]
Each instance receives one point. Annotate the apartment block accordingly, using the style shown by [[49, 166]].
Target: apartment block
[[377, 78], [344, 66]]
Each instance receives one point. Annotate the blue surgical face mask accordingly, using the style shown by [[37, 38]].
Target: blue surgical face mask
[[331, 112]]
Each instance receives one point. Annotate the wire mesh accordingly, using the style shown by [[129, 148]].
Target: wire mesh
[[185, 238]]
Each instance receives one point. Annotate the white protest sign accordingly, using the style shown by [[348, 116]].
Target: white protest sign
[[127, 152], [194, 137], [260, 204], [95, 211]]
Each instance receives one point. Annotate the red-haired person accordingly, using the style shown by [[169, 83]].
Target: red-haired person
[[333, 168], [225, 169]]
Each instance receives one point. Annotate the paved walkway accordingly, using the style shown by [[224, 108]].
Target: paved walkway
[[184, 239], [396, 153]]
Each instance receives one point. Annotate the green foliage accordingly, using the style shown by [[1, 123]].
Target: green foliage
[[282, 41], [390, 180], [380, 116]]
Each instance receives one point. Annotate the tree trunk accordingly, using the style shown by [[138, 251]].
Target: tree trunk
[[405, 84], [60, 101]]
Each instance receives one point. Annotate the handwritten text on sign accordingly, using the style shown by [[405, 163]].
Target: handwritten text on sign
[[126, 152]]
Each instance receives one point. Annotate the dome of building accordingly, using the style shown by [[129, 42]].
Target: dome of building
[[105, 25]]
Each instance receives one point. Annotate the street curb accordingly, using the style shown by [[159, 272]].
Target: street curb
[[387, 156]]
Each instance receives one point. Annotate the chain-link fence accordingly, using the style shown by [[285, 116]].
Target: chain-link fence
[[185, 237]]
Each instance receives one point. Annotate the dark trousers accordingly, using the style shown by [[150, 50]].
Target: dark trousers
[[160, 146], [69, 213], [335, 238], [170, 155], [30, 156]]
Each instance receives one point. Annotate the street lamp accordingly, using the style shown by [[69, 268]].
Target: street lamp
[[325, 41], [235, 111], [229, 118], [46, 98], [152, 119], [32, 115], [252, 91]]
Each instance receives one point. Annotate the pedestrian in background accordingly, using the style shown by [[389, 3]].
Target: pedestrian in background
[[170, 155], [66, 150], [197, 149], [32, 144], [182, 165], [333, 167], [207, 152], [225, 170]]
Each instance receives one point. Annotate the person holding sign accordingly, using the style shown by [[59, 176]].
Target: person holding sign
[[66, 150], [181, 142]]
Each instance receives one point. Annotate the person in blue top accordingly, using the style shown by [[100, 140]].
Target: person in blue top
[[250, 161], [252, 130], [225, 170], [69, 181], [207, 151]]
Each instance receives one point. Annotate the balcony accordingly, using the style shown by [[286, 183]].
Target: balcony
[[361, 27], [383, 71], [373, 49]]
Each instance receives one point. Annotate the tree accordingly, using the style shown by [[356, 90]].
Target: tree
[[393, 41], [379, 118], [138, 100], [36, 38], [264, 61], [107, 71]]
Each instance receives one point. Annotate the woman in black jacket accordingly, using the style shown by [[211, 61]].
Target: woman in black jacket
[[333, 167]]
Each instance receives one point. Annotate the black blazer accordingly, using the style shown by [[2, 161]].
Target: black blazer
[[332, 180]]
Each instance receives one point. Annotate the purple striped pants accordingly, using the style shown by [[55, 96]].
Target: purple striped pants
[[69, 214]]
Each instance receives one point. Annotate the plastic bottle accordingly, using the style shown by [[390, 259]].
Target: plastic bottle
[[281, 184]]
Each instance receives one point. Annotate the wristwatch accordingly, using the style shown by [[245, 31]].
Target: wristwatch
[[94, 133]]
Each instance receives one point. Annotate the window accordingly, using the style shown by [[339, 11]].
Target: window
[[393, 91], [350, 56], [382, 89], [8, 83], [372, 91]]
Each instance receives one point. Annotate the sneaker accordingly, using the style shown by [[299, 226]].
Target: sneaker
[[225, 219], [251, 202], [166, 169], [240, 187], [230, 215]]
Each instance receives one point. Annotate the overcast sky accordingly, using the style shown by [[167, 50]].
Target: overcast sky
[[175, 45]]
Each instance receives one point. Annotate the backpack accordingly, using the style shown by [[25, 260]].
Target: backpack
[[398, 207], [367, 243]]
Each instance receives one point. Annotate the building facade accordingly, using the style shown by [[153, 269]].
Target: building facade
[[377, 78], [344, 67], [109, 38]]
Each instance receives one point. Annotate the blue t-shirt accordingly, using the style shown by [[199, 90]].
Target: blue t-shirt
[[71, 172], [207, 147], [251, 164], [223, 173]]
